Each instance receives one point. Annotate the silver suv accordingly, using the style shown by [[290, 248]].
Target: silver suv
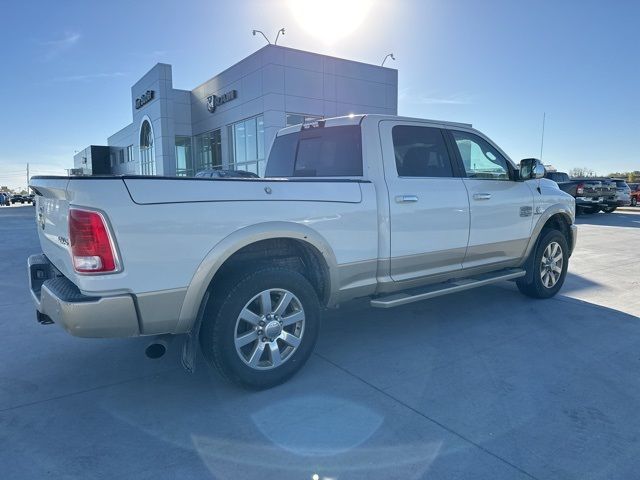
[[622, 198]]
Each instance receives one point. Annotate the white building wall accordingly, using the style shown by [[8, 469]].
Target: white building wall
[[122, 139], [271, 82]]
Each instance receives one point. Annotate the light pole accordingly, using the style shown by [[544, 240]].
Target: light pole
[[281, 31], [261, 33], [389, 55]]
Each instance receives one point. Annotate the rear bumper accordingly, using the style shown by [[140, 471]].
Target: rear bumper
[[618, 202], [57, 298], [589, 201]]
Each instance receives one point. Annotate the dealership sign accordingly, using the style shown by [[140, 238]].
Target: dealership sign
[[214, 101], [144, 99]]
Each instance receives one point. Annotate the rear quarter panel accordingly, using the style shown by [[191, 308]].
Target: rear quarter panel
[[162, 245]]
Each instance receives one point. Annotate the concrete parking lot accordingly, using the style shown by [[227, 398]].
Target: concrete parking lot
[[486, 384]]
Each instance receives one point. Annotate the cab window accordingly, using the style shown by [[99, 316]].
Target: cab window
[[480, 159], [420, 152]]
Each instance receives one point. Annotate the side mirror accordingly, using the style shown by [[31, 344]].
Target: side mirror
[[531, 168]]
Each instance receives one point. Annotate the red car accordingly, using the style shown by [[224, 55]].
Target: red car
[[635, 193]]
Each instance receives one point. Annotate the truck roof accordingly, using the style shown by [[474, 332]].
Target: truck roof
[[358, 119]]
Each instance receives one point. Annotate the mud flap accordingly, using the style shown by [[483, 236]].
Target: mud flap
[[190, 345], [528, 265]]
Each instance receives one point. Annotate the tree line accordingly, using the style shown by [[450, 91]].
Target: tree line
[[580, 172]]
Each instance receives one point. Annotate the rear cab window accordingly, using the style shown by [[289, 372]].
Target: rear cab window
[[558, 177], [317, 152]]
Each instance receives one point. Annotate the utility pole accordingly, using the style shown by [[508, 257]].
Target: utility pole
[[27, 177], [544, 117]]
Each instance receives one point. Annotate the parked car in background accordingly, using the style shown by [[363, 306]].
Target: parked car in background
[[589, 193], [395, 209], [225, 174], [622, 197], [16, 198], [5, 199], [610, 195], [634, 193]]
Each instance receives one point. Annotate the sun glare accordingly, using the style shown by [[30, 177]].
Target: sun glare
[[330, 20]]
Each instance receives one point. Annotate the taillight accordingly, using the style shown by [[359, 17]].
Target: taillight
[[91, 248], [580, 189]]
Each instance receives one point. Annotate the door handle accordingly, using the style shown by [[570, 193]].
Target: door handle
[[406, 198], [481, 196]]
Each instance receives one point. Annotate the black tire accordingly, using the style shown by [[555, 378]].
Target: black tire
[[532, 284], [609, 209], [634, 201], [218, 331]]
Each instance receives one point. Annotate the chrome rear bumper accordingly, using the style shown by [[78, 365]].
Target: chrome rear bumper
[[58, 299]]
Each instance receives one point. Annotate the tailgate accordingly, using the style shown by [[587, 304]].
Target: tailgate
[[52, 211], [592, 189]]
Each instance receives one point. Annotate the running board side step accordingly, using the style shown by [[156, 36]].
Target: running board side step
[[452, 286]]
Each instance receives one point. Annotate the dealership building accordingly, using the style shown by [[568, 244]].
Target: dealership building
[[231, 120]]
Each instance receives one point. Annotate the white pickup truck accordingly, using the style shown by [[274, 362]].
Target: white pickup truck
[[391, 208]]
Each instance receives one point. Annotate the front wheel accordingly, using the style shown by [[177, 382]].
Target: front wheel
[[634, 201], [548, 266], [609, 209], [263, 329]]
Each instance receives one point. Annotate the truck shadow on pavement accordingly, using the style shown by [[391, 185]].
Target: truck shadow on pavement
[[615, 219], [485, 383]]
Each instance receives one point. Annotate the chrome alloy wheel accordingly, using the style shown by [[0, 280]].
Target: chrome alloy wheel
[[269, 329], [551, 265]]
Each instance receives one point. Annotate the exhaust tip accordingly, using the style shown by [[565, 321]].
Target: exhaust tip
[[155, 350]]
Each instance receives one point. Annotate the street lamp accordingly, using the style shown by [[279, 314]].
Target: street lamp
[[281, 31], [389, 55], [261, 33]]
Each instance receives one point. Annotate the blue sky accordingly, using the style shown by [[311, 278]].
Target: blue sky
[[67, 67]]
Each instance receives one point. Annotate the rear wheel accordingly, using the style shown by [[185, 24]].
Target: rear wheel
[[548, 266], [263, 329], [634, 201]]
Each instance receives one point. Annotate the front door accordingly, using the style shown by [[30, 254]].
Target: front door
[[428, 204], [501, 207]]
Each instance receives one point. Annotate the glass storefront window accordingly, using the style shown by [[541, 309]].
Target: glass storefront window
[[184, 161], [240, 141], [147, 157], [246, 145], [208, 148], [260, 129]]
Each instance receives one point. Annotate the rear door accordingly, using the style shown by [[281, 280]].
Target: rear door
[[501, 208], [429, 208]]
